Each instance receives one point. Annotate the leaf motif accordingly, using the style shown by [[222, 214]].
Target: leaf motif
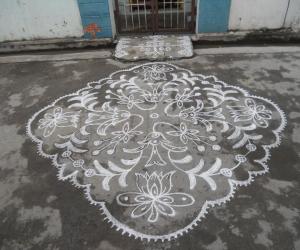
[[216, 95], [191, 174], [92, 105], [101, 130], [69, 144], [89, 100], [196, 169], [225, 127], [105, 183], [215, 167], [236, 133], [130, 162], [244, 140], [75, 105], [75, 98], [193, 181], [134, 150], [103, 171], [212, 89], [173, 148], [206, 175], [83, 100], [249, 128], [122, 179], [230, 98], [76, 140], [226, 92], [214, 101], [210, 181], [116, 168], [186, 159], [70, 147], [238, 130]]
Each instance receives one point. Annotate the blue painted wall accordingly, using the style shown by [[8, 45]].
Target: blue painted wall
[[213, 15], [95, 18]]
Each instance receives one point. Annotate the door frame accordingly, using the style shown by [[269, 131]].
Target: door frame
[[112, 18], [113, 6]]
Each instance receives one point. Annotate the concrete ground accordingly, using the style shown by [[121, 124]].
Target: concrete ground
[[39, 212]]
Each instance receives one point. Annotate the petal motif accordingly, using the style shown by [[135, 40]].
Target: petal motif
[[167, 182], [143, 198], [243, 118], [174, 133], [164, 209], [141, 183], [182, 199], [154, 214], [49, 129], [267, 114], [154, 191], [166, 199], [260, 122], [65, 122], [141, 210], [154, 180], [184, 139], [128, 199], [250, 103]]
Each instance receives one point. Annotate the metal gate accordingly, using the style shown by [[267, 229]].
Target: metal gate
[[155, 16]]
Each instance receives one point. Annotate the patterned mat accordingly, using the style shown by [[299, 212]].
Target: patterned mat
[[155, 146], [154, 48]]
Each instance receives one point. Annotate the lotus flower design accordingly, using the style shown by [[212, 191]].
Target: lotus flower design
[[154, 197]]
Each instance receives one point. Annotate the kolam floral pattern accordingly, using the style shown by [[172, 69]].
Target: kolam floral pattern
[[156, 47], [155, 146]]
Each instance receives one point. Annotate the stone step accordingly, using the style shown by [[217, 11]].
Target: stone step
[[154, 48]]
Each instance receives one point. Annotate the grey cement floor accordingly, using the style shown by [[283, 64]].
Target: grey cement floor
[[39, 212]]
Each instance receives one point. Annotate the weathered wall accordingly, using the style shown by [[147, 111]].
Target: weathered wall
[[258, 14], [293, 15], [39, 19], [46, 19]]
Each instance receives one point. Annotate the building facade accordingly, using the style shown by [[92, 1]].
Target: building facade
[[91, 19]]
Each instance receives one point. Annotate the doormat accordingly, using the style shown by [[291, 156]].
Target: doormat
[[155, 146], [154, 48]]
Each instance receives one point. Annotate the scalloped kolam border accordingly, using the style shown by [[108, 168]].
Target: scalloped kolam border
[[124, 228]]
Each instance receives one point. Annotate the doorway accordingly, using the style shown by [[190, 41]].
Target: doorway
[[155, 16]]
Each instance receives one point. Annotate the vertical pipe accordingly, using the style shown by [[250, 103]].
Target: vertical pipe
[[156, 14], [132, 18], [177, 14], [164, 13], [152, 15], [138, 5], [193, 16], [145, 12], [171, 12], [184, 16], [125, 14], [117, 15], [285, 16]]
